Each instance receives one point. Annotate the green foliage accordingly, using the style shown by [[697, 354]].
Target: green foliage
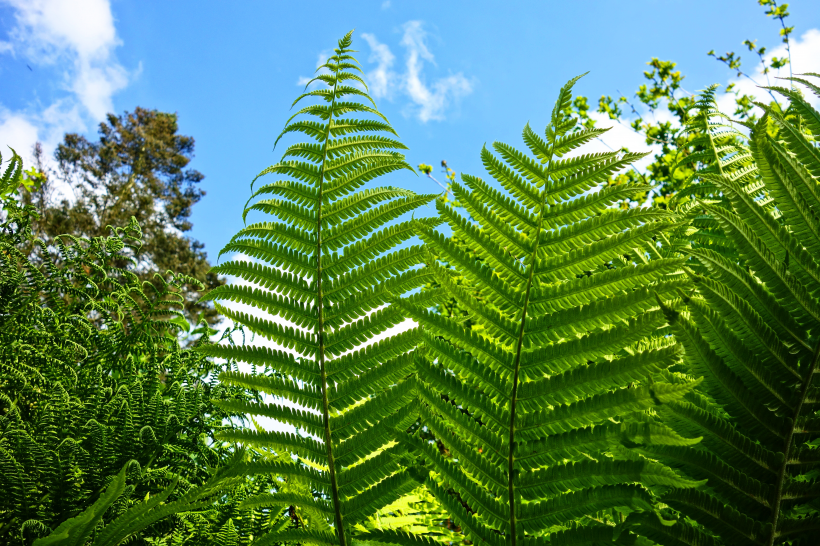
[[744, 103], [324, 275], [663, 91], [93, 378], [78, 530], [539, 405], [750, 330], [663, 95], [419, 514], [575, 347], [14, 177]]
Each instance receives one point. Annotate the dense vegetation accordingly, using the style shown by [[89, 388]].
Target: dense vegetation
[[94, 382], [583, 370]]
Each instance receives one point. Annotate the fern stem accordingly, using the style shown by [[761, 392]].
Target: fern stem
[[712, 145], [787, 445], [320, 328], [517, 365]]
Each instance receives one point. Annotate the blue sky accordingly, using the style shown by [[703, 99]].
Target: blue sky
[[449, 75]]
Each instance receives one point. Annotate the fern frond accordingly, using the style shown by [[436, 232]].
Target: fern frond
[[76, 531], [324, 275], [750, 331], [561, 302]]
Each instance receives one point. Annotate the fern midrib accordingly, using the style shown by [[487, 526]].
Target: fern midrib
[[787, 444], [320, 327], [519, 346], [714, 148]]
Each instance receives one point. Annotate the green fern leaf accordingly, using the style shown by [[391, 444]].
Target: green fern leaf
[[750, 331], [560, 302], [77, 531], [327, 271]]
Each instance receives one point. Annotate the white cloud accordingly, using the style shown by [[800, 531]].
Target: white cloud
[[428, 102], [76, 39], [386, 4], [431, 102], [381, 80], [16, 131]]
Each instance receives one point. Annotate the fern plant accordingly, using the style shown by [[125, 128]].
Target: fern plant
[[324, 274], [540, 399], [751, 330], [12, 177], [92, 377], [86, 529]]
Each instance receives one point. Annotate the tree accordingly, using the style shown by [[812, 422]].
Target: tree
[[137, 169]]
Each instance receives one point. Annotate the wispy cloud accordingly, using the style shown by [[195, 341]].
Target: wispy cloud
[[76, 39], [428, 102], [382, 79], [431, 101]]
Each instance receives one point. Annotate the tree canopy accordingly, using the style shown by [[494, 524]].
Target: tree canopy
[[137, 168]]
